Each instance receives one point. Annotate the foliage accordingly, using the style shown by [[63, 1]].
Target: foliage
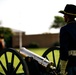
[[33, 45], [56, 44], [7, 32], [58, 22]]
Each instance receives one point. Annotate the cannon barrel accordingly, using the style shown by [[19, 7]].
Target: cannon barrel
[[41, 60]]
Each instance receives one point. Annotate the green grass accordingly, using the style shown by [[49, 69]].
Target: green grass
[[38, 51]]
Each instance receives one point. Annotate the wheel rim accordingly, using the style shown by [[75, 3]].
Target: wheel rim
[[12, 63]]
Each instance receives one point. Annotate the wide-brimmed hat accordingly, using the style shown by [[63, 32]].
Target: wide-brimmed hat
[[69, 9]]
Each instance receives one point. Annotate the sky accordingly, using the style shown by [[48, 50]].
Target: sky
[[31, 16]]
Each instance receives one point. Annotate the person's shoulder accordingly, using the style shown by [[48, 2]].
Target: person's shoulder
[[63, 27], [72, 23]]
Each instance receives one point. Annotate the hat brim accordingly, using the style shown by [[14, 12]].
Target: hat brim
[[63, 12]]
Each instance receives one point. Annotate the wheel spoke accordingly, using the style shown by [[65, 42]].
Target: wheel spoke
[[46, 57], [17, 67], [12, 60], [3, 67], [6, 59], [54, 58]]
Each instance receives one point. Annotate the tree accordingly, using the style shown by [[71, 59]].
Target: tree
[[7, 32], [58, 22]]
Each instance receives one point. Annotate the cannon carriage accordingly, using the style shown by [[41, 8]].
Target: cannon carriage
[[28, 63]]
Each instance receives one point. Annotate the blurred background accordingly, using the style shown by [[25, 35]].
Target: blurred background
[[25, 22]]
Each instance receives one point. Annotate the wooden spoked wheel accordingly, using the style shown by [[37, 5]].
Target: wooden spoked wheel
[[12, 63], [52, 54]]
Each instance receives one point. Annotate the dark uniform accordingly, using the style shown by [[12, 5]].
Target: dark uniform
[[68, 46], [68, 43]]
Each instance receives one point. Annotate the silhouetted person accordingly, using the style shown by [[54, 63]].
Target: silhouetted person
[[68, 41]]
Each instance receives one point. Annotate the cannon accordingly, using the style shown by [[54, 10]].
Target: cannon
[[25, 62]]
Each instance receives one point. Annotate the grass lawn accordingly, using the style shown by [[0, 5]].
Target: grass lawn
[[38, 51]]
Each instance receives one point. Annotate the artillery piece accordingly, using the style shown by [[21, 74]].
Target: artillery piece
[[28, 63]]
